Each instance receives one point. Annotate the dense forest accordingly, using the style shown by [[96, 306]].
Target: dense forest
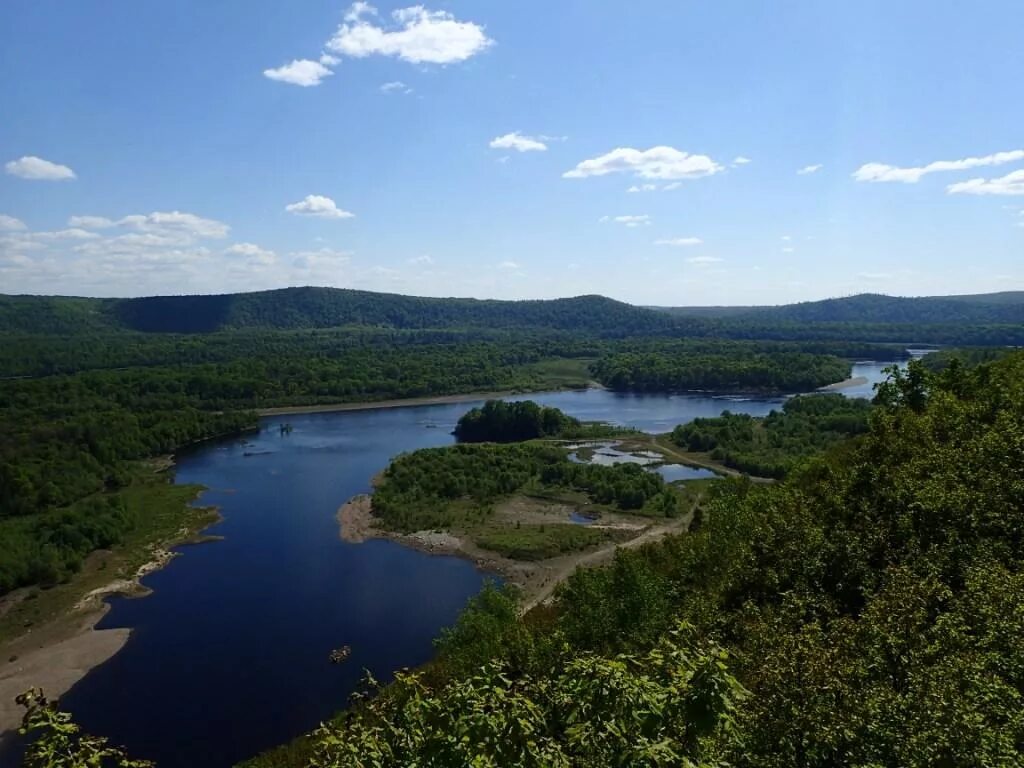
[[734, 368], [995, 319], [866, 611], [772, 446], [499, 422]]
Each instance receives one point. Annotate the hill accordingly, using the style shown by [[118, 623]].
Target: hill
[[1005, 307], [292, 308]]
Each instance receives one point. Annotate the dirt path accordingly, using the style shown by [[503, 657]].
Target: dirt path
[[596, 558]]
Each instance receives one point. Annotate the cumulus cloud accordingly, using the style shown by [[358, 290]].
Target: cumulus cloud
[[10, 224], [175, 223], [665, 163], [395, 86], [704, 260], [518, 142], [679, 242], [880, 172], [1010, 184], [38, 169], [252, 253], [90, 222], [304, 72], [418, 35], [319, 206], [642, 188], [809, 169], [638, 220], [740, 160]]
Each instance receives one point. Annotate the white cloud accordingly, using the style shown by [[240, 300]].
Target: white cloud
[[395, 86], [421, 37], [175, 224], [673, 185], [1010, 184], [809, 169], [37, 169], [508, 265], [304, 72], [881, 172], [10, 224], [787, 238], [704, 260], [319, 206], [655, 163], [518, 142], [253, 253], [90, 222], [423, 260], [679, 242], [66, 234], [638, 220], [642, 188], [740, 160]]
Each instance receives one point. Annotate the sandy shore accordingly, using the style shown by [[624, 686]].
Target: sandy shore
[[55, 667], [856, 381], [403, 403]]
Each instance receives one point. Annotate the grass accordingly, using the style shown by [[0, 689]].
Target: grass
[[561, 373], [164, 518], [540, 542]]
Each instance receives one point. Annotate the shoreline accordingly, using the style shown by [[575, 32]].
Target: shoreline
[[408, 402], [57, 655], [854, 381]]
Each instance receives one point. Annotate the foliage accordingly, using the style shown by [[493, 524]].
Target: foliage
[[772, 446], [540, 542], [500, 422], [57, 742], [675, 368], [665, 707], [437, 488]]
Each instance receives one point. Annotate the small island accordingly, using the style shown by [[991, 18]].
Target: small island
[[525, 504]]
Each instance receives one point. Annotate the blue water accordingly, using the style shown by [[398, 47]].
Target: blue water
[[228, 656]]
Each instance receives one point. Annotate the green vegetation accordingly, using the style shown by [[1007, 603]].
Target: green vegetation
[[456, 487], [540, 542], [500, 422], [867, 611], [774, 445], [158, 515], [677, 367]]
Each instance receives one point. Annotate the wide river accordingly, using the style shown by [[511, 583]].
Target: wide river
[[228, 656]]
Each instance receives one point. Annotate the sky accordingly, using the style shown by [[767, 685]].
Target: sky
[[671, 152]]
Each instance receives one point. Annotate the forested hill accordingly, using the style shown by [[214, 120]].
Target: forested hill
[[1006, 307], [293, 308]]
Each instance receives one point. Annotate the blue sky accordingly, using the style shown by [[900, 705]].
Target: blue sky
[[650, 152]]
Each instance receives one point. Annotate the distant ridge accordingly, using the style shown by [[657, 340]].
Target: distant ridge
[[1004, 307], [310, 307]]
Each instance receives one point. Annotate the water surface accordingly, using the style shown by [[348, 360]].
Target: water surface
[[228, 656]]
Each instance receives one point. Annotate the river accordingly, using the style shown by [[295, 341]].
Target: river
[[228, 656]]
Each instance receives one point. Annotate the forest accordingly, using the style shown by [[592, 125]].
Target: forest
[[866, 611], [675, 368], [774, 445], [499, 422]]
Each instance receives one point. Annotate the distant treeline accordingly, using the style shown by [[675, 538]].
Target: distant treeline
[[734, 367]]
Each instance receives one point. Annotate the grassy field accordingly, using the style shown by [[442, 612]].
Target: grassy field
[[540, 542], [562, 373], [164, 518]]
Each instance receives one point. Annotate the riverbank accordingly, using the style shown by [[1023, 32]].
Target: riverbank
[[855, 381], [49, 639], [405, 402]]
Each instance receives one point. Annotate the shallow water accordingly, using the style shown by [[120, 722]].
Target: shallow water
[[229, 655]]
